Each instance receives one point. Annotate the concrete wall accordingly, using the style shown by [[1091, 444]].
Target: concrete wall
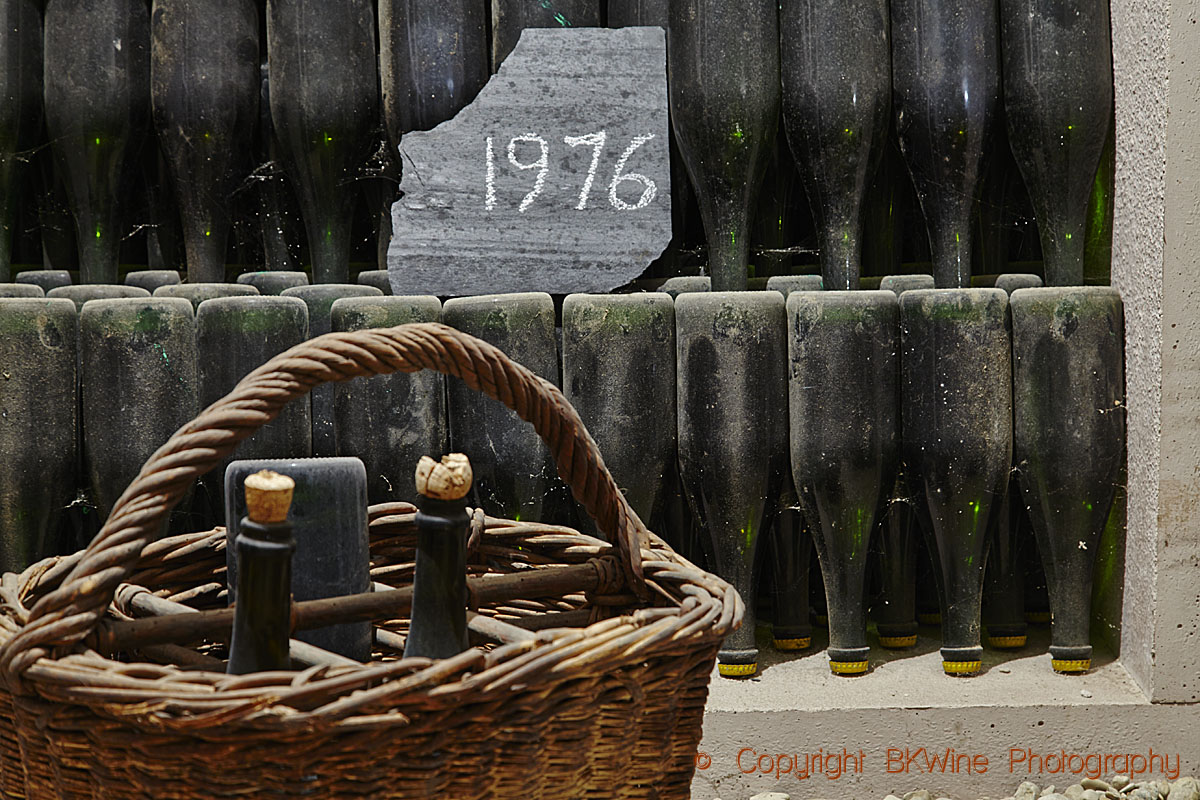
[[1156, 60]]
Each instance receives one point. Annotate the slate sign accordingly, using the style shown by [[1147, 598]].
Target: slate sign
[[555, 179]]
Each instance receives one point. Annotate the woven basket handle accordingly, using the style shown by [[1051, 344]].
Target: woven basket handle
[[69, 612]]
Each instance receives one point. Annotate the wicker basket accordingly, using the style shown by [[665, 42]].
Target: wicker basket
[[607, 703]]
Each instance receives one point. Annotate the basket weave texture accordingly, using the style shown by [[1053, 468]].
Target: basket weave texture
[[610, 710]]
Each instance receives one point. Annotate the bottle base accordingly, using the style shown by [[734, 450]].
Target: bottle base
[[1071, 666], [898, 642], [1007, 642], [848, 667], [929, 618], [962, 669], [1038, 617], [737, 670], [791, 645]]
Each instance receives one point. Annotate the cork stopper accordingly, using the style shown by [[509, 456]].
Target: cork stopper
[[268, 496], [449, 479]]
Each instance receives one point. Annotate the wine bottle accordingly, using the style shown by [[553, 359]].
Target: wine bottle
[[792, 544], [957, 409], [320, 300], [234, 335], [884, 212], [723, 77], [438, 627], [945, 87], [56, 225], [151, 279], [332, 557], [732, 411], [842, 375], [324, 106], [1097, 253], [377, 278], [98, 291], [262, 615], [626, 13], [837, 83], [904, 283], [510, 17], [433, 60], [204, 84], [896, 606], [11, 290], [901, 534], [46, 278], [20, 108], [278, 211], [390, 420], [1003, 588], [97, 95], [274, 282], [786, 284], [513, 469], [774, 217], [1069, 444], [138, 355], [1058, 96], [38, 440], [197, 293], [618, 357]]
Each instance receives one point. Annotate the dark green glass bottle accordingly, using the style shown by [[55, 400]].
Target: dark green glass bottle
[[438, 627], [262, 614]]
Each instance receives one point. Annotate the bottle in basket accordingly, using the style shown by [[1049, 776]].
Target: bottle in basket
[[262, 615], [439, 609]]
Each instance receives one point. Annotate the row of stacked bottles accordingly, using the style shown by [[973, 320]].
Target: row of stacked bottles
[[895, 113]]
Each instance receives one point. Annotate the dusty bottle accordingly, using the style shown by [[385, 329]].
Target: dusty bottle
[[433, 60], [439, 609], [732, 412], [1068, 444], [946, 88], [1004, 587], [510, 17], [20, 107], [842, 348], [723, 76], [262, 614], [204, 84], [837, 84], [97, 99], [792, 544], [1058, 95], [324, 106], [956, 398]]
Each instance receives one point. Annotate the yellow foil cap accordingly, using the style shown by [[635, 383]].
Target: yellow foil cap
[[1040, 617], [793, 644], [737, 670], [898, 641], [1081, 665], [962, 667], [929, 619], [1006, 641], [847, 667]]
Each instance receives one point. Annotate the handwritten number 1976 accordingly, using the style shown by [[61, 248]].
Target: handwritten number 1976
[[542, 164]]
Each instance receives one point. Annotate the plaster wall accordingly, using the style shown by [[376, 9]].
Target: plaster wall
[[1156, 61], [1176, 650], [1140, 42]]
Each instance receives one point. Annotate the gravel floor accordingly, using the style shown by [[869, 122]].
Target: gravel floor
[[1119, 787]]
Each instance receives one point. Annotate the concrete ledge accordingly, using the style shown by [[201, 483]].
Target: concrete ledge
[[796, 707]]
